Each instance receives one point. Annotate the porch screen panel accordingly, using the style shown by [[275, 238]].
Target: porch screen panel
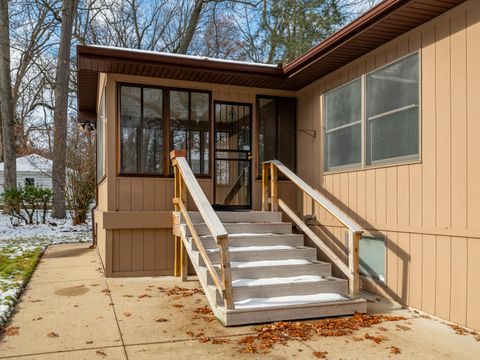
[[152, 130], [392, 109], [343, 126], [179, 115], [277, 117], [100, 139], [199, 130], [130, 127]]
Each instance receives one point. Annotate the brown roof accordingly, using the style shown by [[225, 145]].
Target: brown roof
[[381, 24]]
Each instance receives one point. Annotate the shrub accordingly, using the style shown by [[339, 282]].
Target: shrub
[[27, 201]]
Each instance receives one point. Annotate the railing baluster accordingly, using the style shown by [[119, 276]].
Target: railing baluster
[[274, 187], [265, 170], [353, 260]]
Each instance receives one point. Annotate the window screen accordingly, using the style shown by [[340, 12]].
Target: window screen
[[372, 257], [343, 126], [392, 111], [130, 122]]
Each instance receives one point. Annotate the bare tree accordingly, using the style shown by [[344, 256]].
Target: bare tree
[[6, 101], [62, 79]]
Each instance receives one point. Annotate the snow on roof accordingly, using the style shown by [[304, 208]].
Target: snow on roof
[[194, 57], [32, 163]]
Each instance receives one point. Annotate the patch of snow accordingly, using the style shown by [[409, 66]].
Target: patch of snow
[[278, 280], [261, 263], [288, 300]]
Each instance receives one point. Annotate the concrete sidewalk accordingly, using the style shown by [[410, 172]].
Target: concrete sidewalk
[[70, 311]]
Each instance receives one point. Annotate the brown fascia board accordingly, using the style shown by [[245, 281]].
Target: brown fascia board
[[192, 63], [362, 23]]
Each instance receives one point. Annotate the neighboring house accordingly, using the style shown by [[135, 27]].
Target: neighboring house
[[382, 118], [31, 170]]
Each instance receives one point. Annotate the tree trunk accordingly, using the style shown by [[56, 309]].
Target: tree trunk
[[62, 79], [191, 27], [6, 101]]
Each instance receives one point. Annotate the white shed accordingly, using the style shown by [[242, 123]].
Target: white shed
[[31, 169]]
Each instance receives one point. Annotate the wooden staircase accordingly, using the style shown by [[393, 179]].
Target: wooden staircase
[[274, 276], [251, 265]]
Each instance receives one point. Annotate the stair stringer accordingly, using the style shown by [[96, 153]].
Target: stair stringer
[[211, 296]]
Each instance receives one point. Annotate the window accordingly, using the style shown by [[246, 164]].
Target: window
[[277, 130], [372, 257], [147, 113], [392, 111], [100, 138], [190, 127], [29, 181], [390, 118], [343, 126]]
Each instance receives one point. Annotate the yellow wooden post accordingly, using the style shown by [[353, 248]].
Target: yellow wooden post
[[274, 187], [353, 261], [265, 169], [176, 239]]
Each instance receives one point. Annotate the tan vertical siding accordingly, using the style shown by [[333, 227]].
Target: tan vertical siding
[[429, 210]]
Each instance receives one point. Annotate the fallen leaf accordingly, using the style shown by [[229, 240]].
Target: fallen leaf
[[89, 342], [403, 327], [205, 310], [39, 318], [381, 328], [204, 340], [127, 314], [101, 353], [376, 339], [219, 341], [477, 338], [143, 296], [395, 350], [53, 334], [177, 305], [160, 319], [12, 331], [320, 354], [128, 296]]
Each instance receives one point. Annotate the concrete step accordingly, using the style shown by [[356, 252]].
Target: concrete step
[[261, 310], [240, 216], [252, 239], [264, 254], [286, 286], [246, 228]]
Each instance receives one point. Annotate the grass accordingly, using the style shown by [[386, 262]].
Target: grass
[[18, 267]]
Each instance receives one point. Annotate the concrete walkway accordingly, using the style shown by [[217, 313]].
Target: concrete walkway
[[70, 311]]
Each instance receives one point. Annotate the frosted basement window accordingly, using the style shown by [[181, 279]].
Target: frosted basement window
[[392, 112], [343, 126], [372, 253]]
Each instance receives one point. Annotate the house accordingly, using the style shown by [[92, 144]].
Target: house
[[31, 170], [377, 127]]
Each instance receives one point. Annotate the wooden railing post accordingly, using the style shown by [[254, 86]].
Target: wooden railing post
[[226, 272], [265, 170], [353, 261], [274, 187]]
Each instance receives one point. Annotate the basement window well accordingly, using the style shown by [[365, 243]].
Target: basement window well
[[372, 253]]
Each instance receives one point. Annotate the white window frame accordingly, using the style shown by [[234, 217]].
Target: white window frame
[[396, 161]]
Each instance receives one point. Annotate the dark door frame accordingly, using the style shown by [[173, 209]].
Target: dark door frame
[[248, 152]]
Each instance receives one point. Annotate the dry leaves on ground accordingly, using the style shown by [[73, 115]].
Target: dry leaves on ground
[[89, 342], [402, 327], [178, 306], [127, 296], [53, 334], [219, 341], [204, 310], [144, 296], [320, 354], [180, 291], [101, 353], [462, 331], [281, 332], [12, 331], [127, 314]]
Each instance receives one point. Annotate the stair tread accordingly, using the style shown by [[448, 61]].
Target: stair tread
[[256, 248], [262, 263], [240, 235], [300, 279], [289, 300]]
